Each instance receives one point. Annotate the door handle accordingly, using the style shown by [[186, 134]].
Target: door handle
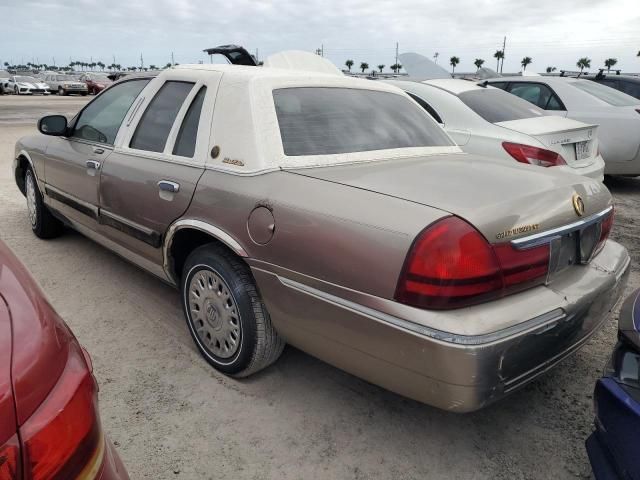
[[168, 186], [93, 164], [98, 151]]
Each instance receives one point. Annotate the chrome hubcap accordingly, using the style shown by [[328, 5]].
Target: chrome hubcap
[[214, 313], [31, 199]]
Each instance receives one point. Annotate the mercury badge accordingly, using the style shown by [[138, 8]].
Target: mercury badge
[[578, 204]]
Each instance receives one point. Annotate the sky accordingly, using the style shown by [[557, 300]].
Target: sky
[[551, 32]]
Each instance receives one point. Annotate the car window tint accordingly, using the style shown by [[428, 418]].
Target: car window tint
[[498, 106], [185, 145], [554, 103], [630, 88], [101, 119], [430, 110], [325, 121], [606, 94], [501, 85], [157, 120], [535, 93]]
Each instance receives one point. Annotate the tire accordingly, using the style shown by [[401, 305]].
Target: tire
[[234, 333], [43, 223], [61, 92], [15, 90]]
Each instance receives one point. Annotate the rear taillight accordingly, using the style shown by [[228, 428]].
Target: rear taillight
[[533, 155], [62, 438], [605, 230], [10, 468], [451, 265]]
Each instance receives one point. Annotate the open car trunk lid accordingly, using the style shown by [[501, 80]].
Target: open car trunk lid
[[503, 201], [575, 141]]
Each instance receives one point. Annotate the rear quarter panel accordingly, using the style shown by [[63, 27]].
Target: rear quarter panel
[[343, 235]]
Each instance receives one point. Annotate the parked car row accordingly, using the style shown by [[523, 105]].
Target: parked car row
[[53, 82], [445, 240]]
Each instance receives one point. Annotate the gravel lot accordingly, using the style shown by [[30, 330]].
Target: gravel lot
[[172, 416]]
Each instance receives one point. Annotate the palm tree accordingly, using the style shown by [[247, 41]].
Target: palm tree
[[396, 67], [499, 55], [453, 61], [349, 64], [525, 61], [152, 67], [168, 65], [380, 67], [610, 62], [551, 69], [364, 66], [583, 63], [478, 62]]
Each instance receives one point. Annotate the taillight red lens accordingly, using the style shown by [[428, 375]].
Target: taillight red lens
[[533, 155], [62, 439], [10, 468], [451, 265], [605, 230]]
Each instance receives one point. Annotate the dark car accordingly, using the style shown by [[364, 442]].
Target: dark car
[[614, 446], [49, 421], [628, 84], [96, 82]]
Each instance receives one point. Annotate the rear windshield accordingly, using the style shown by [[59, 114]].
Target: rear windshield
[[606, 94], [325, 121], [498, 106]]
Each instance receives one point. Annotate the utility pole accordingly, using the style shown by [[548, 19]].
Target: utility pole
[[173, 62], [504, 46], [397, 69], [436, 55], [322, 50], [141, 62], [257, 61]]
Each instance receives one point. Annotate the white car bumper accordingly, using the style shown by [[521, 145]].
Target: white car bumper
[[594, 170]]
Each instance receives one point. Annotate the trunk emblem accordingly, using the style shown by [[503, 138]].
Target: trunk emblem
[[578, 204]]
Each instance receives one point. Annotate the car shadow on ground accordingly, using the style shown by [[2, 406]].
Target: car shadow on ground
[[622, 184]]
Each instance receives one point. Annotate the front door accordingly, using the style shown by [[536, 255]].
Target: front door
[[72, 171], [150, 178]]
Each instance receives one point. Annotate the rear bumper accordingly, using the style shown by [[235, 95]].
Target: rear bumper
[[376, 339], [595, 170]]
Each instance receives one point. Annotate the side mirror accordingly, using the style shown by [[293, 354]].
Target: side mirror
[[55, 125]]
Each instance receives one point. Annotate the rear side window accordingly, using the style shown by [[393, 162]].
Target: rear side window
[[325, 121], [538, 94], [630, 88], [101, 119], [185, 145], [606, 94], [430, 110], [500, 85], [498, 106], [156, 122]]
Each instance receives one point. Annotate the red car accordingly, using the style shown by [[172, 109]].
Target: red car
[[96, 82], [49, 421]]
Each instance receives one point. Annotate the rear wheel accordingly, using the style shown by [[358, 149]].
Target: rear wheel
[[61, 92], [225, 314], [43, 223]]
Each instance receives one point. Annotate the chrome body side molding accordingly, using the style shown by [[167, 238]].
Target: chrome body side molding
[[205, 227]]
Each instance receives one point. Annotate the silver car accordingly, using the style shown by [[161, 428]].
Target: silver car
[[334, 214], [65, 84], [616, 113]]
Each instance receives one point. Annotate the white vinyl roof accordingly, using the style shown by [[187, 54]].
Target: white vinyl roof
[[245, 124]]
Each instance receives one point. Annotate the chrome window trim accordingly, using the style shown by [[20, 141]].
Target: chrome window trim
[[547, 236]]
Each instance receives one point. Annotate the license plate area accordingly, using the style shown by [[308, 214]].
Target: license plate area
[[583, 150], [572, 248]]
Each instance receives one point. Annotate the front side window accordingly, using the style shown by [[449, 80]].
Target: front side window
[[156, 122], [325, 121], [606, 94], [498, 106], [101, 119]]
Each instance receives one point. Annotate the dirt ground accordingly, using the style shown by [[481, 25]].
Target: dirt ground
[[171, 416]]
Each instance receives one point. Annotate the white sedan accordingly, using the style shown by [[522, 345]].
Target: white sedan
[[23, 85], [487, 121], [617, 113]]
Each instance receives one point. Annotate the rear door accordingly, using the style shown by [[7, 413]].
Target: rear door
[[150, 178], [72, 169]]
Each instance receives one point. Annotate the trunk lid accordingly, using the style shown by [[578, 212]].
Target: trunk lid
[[495, 197], [575, 141]]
